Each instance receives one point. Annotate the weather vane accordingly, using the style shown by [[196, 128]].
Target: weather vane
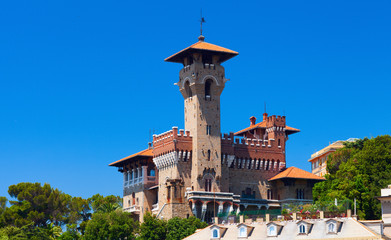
[[202, 21]]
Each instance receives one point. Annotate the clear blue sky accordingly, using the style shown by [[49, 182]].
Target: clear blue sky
[[83, 82]]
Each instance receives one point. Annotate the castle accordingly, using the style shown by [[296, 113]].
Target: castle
[[201, 172]]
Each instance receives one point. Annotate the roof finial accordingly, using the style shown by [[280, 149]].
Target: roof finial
[[201, 37]]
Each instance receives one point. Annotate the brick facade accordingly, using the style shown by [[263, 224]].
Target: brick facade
[[200, 171]]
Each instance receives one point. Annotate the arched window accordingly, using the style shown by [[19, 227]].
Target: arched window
[[301, 228], [133, 198], [208, 185], [272, 230], [208, 86], [331, 227], [188, 89], [215, 233], [242, 232]]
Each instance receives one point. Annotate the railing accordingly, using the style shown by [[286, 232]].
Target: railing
[[133, 209], [155, 207], [151, 178]]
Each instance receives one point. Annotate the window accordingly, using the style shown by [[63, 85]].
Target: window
[[168, 193], [279, 142], [269, 194], [242, 232], [299, 193], [215, 233], [331, 228], [208, 155], [208, 185], [302, 228], [133, 198], [208, 85], [188, 89], [272, 230], [208, 129]]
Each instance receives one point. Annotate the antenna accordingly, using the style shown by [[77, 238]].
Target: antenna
[[151, 133], [202, 20]]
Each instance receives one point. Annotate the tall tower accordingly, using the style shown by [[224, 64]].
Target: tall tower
[[201, 82]]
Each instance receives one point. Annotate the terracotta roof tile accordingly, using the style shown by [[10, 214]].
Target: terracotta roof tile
[[144, 153], [177, 57], [263, 125], [294, 172]]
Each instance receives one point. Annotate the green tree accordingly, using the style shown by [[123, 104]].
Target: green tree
[[71, 233], [109, 203], [12, 233], [358, 171], [3, 206], [152, 228], [38, 204], [179, 228], [114, 225]]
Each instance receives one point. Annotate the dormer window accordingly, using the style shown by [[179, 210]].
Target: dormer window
[[304, 227], [333, 226], [217, 231], [244, 231]]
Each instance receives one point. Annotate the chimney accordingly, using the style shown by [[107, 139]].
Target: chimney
[[252, 120], [349, 213], [149, 145], [264, 116], [267, 217], [241, 219]]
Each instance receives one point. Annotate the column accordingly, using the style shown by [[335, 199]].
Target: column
[[203, 211], [133, 173], [221, 206], [194, 209], [144, 170]]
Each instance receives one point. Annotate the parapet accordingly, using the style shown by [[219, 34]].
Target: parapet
[[274, 120], [171, 140]]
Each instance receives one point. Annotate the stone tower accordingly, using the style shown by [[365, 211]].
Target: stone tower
[[201, 82]]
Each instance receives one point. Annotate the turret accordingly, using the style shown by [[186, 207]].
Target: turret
[[201, 82]]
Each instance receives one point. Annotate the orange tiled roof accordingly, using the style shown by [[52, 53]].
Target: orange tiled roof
[[294, 172], [201, 45], [144, 153], [263, 125]]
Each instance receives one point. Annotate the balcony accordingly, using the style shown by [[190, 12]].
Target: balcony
[[133, 209], [139, 176], [213, 196], [155, 207]]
